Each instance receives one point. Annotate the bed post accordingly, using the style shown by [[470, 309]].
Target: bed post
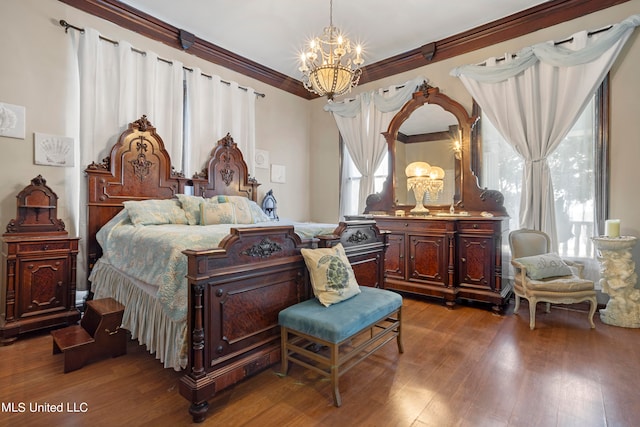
[[195, 386]]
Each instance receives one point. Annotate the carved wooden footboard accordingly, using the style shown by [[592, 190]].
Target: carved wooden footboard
[[237, 291]]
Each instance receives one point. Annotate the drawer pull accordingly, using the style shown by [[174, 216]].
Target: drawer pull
[[475, 225], [463, 259], [112, 332], [45, 248]]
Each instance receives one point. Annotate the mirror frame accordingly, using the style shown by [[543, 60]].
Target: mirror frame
[[469, 196]]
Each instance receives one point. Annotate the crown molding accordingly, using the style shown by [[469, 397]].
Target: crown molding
[[516, 25]]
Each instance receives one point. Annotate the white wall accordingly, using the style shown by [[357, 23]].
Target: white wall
[[624, 124]]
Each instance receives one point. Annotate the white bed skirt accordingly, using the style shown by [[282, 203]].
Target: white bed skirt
[[143, 315]]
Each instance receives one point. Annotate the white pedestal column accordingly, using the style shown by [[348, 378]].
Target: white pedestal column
[[618, 280]]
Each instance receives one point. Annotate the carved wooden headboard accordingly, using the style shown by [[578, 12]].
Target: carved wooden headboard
[[139, 168]]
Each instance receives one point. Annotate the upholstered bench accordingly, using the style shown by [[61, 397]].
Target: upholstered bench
[[308, 324]]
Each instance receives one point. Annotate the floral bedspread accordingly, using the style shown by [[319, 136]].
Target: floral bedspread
[[153, 253]]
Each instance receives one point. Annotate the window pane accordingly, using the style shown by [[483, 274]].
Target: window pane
[[351, 182], [573, 174]]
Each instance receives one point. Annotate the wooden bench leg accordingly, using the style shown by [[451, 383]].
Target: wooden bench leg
[[335, 374], [399, 337], [285, 352]]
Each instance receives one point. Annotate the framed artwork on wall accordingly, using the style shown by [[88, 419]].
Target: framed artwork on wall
[[262, 159], [53, 150], [12, 118]]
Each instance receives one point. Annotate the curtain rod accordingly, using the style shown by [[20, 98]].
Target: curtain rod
[[66, 26], [570, 39]]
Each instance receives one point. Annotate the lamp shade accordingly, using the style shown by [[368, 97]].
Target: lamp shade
[[332, 79], [417, 169], [436, 172]]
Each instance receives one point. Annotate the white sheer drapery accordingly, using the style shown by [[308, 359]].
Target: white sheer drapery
[[534, 98], [361, 121], [113, 86], [215, 108]]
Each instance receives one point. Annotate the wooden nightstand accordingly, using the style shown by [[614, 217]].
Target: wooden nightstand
[[38, 266]]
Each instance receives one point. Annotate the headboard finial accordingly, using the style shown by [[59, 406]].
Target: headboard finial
[[142, 123]]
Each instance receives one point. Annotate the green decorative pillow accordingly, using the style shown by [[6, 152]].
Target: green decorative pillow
[[155, 212], [332, 277], [191, 207], [544, 266], [212, 212]]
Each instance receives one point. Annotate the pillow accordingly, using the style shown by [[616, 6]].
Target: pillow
[[331, 274], [545, 265], [212, 212], [257, 214], [246, 211], [155, 212], [191, 206]]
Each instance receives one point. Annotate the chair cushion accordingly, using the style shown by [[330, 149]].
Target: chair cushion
[[342, 320], [332, 277], [561, 284], [544, 265]]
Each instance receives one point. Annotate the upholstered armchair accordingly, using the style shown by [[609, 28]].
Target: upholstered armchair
[[541, 276]]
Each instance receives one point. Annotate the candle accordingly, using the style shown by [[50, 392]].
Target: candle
[[612, 228]]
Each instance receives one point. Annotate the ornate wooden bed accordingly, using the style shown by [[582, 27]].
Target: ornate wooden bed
[[236, 289]]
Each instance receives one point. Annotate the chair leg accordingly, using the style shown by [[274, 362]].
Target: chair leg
[[517, 307], [592, 311], [532, 313], [284, 351], [548, 308]]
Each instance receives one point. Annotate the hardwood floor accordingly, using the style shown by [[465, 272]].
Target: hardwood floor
[[462, 367]]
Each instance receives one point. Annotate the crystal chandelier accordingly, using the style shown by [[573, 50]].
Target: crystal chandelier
[[328, 66]]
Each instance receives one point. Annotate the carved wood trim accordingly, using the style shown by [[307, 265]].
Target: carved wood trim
[[519, 24]]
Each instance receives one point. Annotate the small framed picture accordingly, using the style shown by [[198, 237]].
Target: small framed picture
[[53, 150], [12, 118], [278, 174], [262, 159]]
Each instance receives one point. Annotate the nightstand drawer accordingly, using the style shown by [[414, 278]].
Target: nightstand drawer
[[44, 246]]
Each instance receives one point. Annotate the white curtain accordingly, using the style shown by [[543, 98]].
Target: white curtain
[[361, 121], [535, 97], [215, 108], [113, 86]]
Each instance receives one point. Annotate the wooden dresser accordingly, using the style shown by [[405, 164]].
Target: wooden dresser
[[38, 266], [450, 257]]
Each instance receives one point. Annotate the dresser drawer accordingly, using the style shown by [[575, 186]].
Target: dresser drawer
[[44, 246], [415, 225], [476, 226]]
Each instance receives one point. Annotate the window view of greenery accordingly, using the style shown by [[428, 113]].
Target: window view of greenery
[[573, 173]]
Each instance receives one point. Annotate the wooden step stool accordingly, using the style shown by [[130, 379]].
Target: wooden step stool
[[98, 335]]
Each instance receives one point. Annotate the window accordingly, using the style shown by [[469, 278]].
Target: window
[[350, 181], [578, 171]]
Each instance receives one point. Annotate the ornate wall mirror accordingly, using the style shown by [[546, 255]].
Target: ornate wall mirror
[[433, 128], [430, 134]]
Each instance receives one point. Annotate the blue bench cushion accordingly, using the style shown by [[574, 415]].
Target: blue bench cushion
[[341, 320]]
